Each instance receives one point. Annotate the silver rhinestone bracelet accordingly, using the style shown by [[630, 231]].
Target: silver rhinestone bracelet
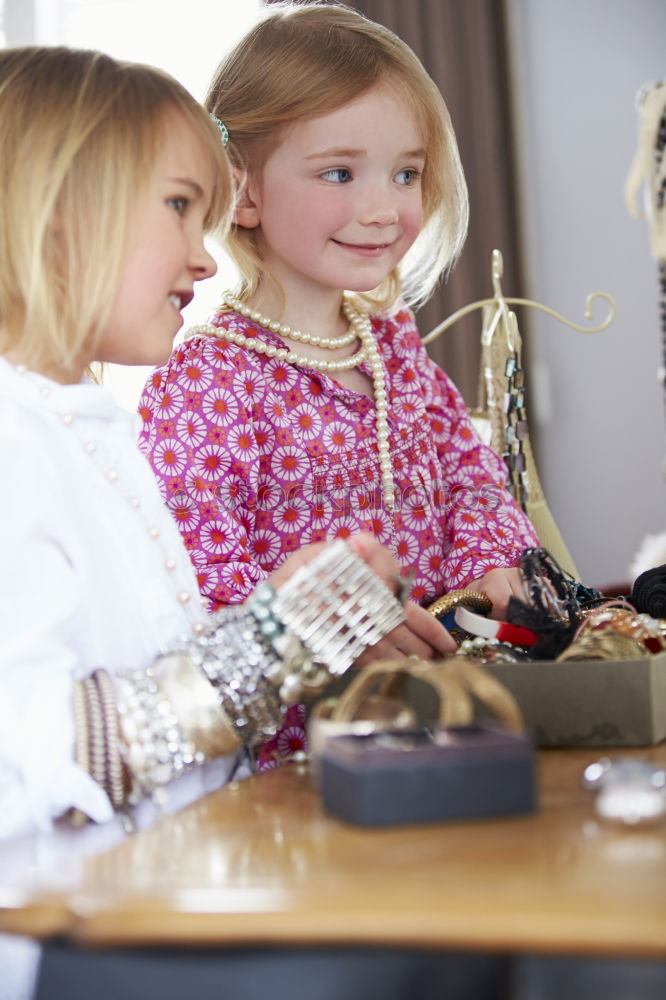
[[239, 663]]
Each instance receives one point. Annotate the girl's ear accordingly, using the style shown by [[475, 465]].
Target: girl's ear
[[246, 211]]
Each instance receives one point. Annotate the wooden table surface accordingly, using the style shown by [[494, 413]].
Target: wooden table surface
[[260, 863]]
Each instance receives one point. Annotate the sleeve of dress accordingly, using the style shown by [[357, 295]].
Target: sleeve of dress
[[198, 435], [39, 602], [484, 526]]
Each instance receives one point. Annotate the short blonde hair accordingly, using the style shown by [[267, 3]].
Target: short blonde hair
[[80, 133], [304, 60]]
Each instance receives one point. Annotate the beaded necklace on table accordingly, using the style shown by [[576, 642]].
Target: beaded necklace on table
[[112, 474], [360, 328]]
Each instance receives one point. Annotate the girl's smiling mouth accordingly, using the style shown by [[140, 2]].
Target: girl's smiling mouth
[[364, 249]]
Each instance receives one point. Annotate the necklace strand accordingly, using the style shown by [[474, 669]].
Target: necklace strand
[[288, 331], [360, 328]]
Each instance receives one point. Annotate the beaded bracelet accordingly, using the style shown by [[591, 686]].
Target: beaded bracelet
[[231, 684], [296, 674], [129, 736], [96, 736], [97, 739], [153, 745], [117, 779], [129, 739]]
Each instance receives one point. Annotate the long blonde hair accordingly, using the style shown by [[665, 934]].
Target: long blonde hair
[[79, 133], [304, 60]]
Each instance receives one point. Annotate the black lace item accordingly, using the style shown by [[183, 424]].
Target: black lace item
[[554, 606]]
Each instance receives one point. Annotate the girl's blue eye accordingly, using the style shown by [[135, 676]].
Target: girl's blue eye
[[407, 177], [341, 175], [179, 204]]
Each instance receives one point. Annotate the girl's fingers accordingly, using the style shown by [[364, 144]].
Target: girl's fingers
[[423, 625], [499, 585], [293, 562], [421, 635], [377, 557]]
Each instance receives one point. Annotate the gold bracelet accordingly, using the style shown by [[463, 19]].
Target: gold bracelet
[[470, 598], [604, 645], [201, 716], [625, 621]]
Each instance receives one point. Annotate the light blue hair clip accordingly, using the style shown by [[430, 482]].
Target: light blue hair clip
[[224, 132]]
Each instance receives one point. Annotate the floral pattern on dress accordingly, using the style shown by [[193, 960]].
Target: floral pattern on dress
[[290, 740], [256, 457]]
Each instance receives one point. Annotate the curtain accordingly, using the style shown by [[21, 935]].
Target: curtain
[[462, 44]]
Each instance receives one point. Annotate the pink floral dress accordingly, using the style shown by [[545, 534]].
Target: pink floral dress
[[256, 457]]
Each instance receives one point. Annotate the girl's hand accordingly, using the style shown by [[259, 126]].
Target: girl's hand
[[420, 634], [499, 585], [301, 557]]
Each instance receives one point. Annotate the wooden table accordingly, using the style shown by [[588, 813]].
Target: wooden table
[[260, 863]]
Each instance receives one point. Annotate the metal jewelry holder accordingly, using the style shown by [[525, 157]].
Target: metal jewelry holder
[[500, 416]]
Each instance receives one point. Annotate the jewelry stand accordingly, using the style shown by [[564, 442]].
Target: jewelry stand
[[500, 416]]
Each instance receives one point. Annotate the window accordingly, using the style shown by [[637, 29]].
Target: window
[[187, 38]]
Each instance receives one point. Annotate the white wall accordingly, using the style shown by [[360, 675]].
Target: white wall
[[595, 399]]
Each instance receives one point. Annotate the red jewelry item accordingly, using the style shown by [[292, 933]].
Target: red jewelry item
[[516, 635]]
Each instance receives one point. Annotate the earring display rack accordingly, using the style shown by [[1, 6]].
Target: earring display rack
[[500, 415]]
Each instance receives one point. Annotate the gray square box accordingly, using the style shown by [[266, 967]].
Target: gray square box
[[422, 776], [595, 703]]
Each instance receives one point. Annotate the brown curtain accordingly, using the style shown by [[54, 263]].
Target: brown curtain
[[462, 44]]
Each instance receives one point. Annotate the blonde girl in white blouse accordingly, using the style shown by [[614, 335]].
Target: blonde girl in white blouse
[[116, 687]]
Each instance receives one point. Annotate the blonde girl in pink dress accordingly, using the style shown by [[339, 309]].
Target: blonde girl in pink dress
[[308, 408]]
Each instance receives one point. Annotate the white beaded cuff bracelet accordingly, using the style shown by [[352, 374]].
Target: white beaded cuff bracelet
[[323, 618]]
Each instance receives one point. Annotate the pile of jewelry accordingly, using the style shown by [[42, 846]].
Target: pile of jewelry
[[561, 619], [226, 690]]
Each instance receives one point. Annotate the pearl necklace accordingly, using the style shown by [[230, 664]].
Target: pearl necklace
[[360, 328], [289, 331], [283, 353]]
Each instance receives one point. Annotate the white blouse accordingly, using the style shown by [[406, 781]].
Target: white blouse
[[93, 574]]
